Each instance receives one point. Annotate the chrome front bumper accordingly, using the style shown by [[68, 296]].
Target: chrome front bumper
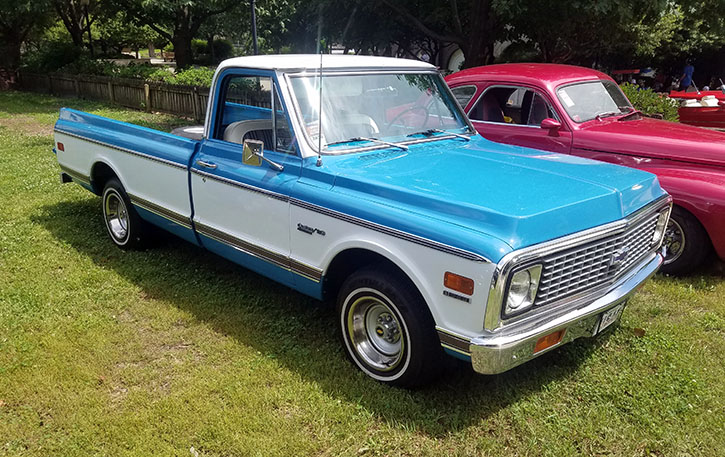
[[513, 345]]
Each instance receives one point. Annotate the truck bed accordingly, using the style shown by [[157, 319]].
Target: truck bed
[[153, 166]]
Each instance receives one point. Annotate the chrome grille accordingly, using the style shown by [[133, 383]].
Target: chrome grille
[[594, 264]]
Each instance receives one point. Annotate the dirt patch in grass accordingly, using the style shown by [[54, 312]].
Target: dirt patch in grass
[[26, 125]]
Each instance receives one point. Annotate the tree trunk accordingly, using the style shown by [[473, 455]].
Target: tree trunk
[[210, 47], [479, 47], [11, 41], [10, 50], [182, 49]]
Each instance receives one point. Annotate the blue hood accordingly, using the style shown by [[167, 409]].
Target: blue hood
[[520, 196]]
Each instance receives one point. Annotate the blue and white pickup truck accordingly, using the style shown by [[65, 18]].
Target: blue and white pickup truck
[[359, 179]]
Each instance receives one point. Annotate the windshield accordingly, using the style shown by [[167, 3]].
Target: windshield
[[388, 108], [591, 100]]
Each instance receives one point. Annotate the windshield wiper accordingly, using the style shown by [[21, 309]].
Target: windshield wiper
[[606, 114], [371, 140], [430, 132], [631, 112]]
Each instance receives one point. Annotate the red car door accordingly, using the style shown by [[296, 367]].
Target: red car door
[[513, 114]]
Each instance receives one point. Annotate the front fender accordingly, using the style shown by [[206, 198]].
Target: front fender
[[700, 191]]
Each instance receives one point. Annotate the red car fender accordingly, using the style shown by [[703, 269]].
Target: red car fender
[[688, 186]]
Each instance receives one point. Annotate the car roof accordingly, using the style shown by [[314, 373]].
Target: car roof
[[549, 74], [301, 62]]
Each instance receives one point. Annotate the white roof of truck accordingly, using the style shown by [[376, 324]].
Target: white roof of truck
[[295, 62]]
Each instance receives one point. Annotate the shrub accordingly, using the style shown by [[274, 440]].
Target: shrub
[[86, 66], [651, 103], [51, 56], [138, 71], [223, 49], [198, 47], [195, 76]]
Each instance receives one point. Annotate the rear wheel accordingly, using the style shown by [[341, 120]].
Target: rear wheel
[[125, 227], [387, 329], [686, 241]]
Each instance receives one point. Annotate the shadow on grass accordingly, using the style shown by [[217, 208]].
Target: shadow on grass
[[299, 332]]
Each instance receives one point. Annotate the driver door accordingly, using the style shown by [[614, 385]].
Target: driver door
[[241, 210]]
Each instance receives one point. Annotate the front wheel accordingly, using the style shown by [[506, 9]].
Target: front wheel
[[686, 241], [387, 329]]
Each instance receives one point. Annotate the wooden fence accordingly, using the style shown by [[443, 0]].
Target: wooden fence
[[186, 101]]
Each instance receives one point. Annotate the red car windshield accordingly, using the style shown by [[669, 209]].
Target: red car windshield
[[593, 100]]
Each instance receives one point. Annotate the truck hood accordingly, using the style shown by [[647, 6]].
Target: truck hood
[[653, 138], [520, 196]]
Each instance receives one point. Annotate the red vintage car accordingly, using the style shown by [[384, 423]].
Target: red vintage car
[[583, 112]]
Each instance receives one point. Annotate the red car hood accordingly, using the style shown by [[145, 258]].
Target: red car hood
[[653, 138]]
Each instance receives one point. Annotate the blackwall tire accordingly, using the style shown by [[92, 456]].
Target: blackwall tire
[[387, 329], [687, 243]]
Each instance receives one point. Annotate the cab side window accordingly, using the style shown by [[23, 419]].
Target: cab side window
[[511, 105], [249, 108]]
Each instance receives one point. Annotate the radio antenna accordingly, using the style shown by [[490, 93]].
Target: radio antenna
[[319, 119]]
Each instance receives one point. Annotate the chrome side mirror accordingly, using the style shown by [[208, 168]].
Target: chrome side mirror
[[253, 152]]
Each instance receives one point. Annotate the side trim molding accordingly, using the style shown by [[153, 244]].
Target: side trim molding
[[76, 175], [240, 185], [391, 231], [275, 258], [161, 211], [454, 342], [350, 219], [126, 150]]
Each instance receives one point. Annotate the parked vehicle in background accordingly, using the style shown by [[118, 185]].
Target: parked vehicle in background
[[377, 193], [580, 111], [702, 108]]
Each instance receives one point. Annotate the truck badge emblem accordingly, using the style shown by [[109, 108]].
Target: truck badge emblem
[[309, 230], [619, 256]]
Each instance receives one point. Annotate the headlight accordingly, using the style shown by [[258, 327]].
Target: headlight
[[660, 227], [522, 290]]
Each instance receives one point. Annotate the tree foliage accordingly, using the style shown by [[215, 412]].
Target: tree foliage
[[177, 21], [17, 20], [651, 103]]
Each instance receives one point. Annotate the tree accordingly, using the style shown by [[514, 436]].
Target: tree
[[580, 32], [115, 31], [73, 15], [17, 19], [474, 25], [176, 21]]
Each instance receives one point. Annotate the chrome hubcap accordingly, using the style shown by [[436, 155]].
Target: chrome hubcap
[[116, 216], [375, 333], [674, 240]]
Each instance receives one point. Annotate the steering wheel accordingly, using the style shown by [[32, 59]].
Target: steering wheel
[[407, 110]]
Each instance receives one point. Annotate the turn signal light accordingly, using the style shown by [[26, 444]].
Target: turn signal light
[[548, 341], [61, 147], [458, 283]]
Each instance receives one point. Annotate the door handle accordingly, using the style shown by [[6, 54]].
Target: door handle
[[201, 163]]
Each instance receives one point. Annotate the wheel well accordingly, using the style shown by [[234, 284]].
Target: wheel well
[[695, 219], [100, 174], [347, 262]]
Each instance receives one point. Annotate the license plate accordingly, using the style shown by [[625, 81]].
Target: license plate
[[609, 317]]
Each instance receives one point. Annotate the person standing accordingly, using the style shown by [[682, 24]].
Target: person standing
[[686, 78]]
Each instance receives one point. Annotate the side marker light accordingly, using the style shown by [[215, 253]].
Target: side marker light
[[458, 283]]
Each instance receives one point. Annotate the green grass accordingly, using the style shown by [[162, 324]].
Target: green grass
[[105, 352]]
